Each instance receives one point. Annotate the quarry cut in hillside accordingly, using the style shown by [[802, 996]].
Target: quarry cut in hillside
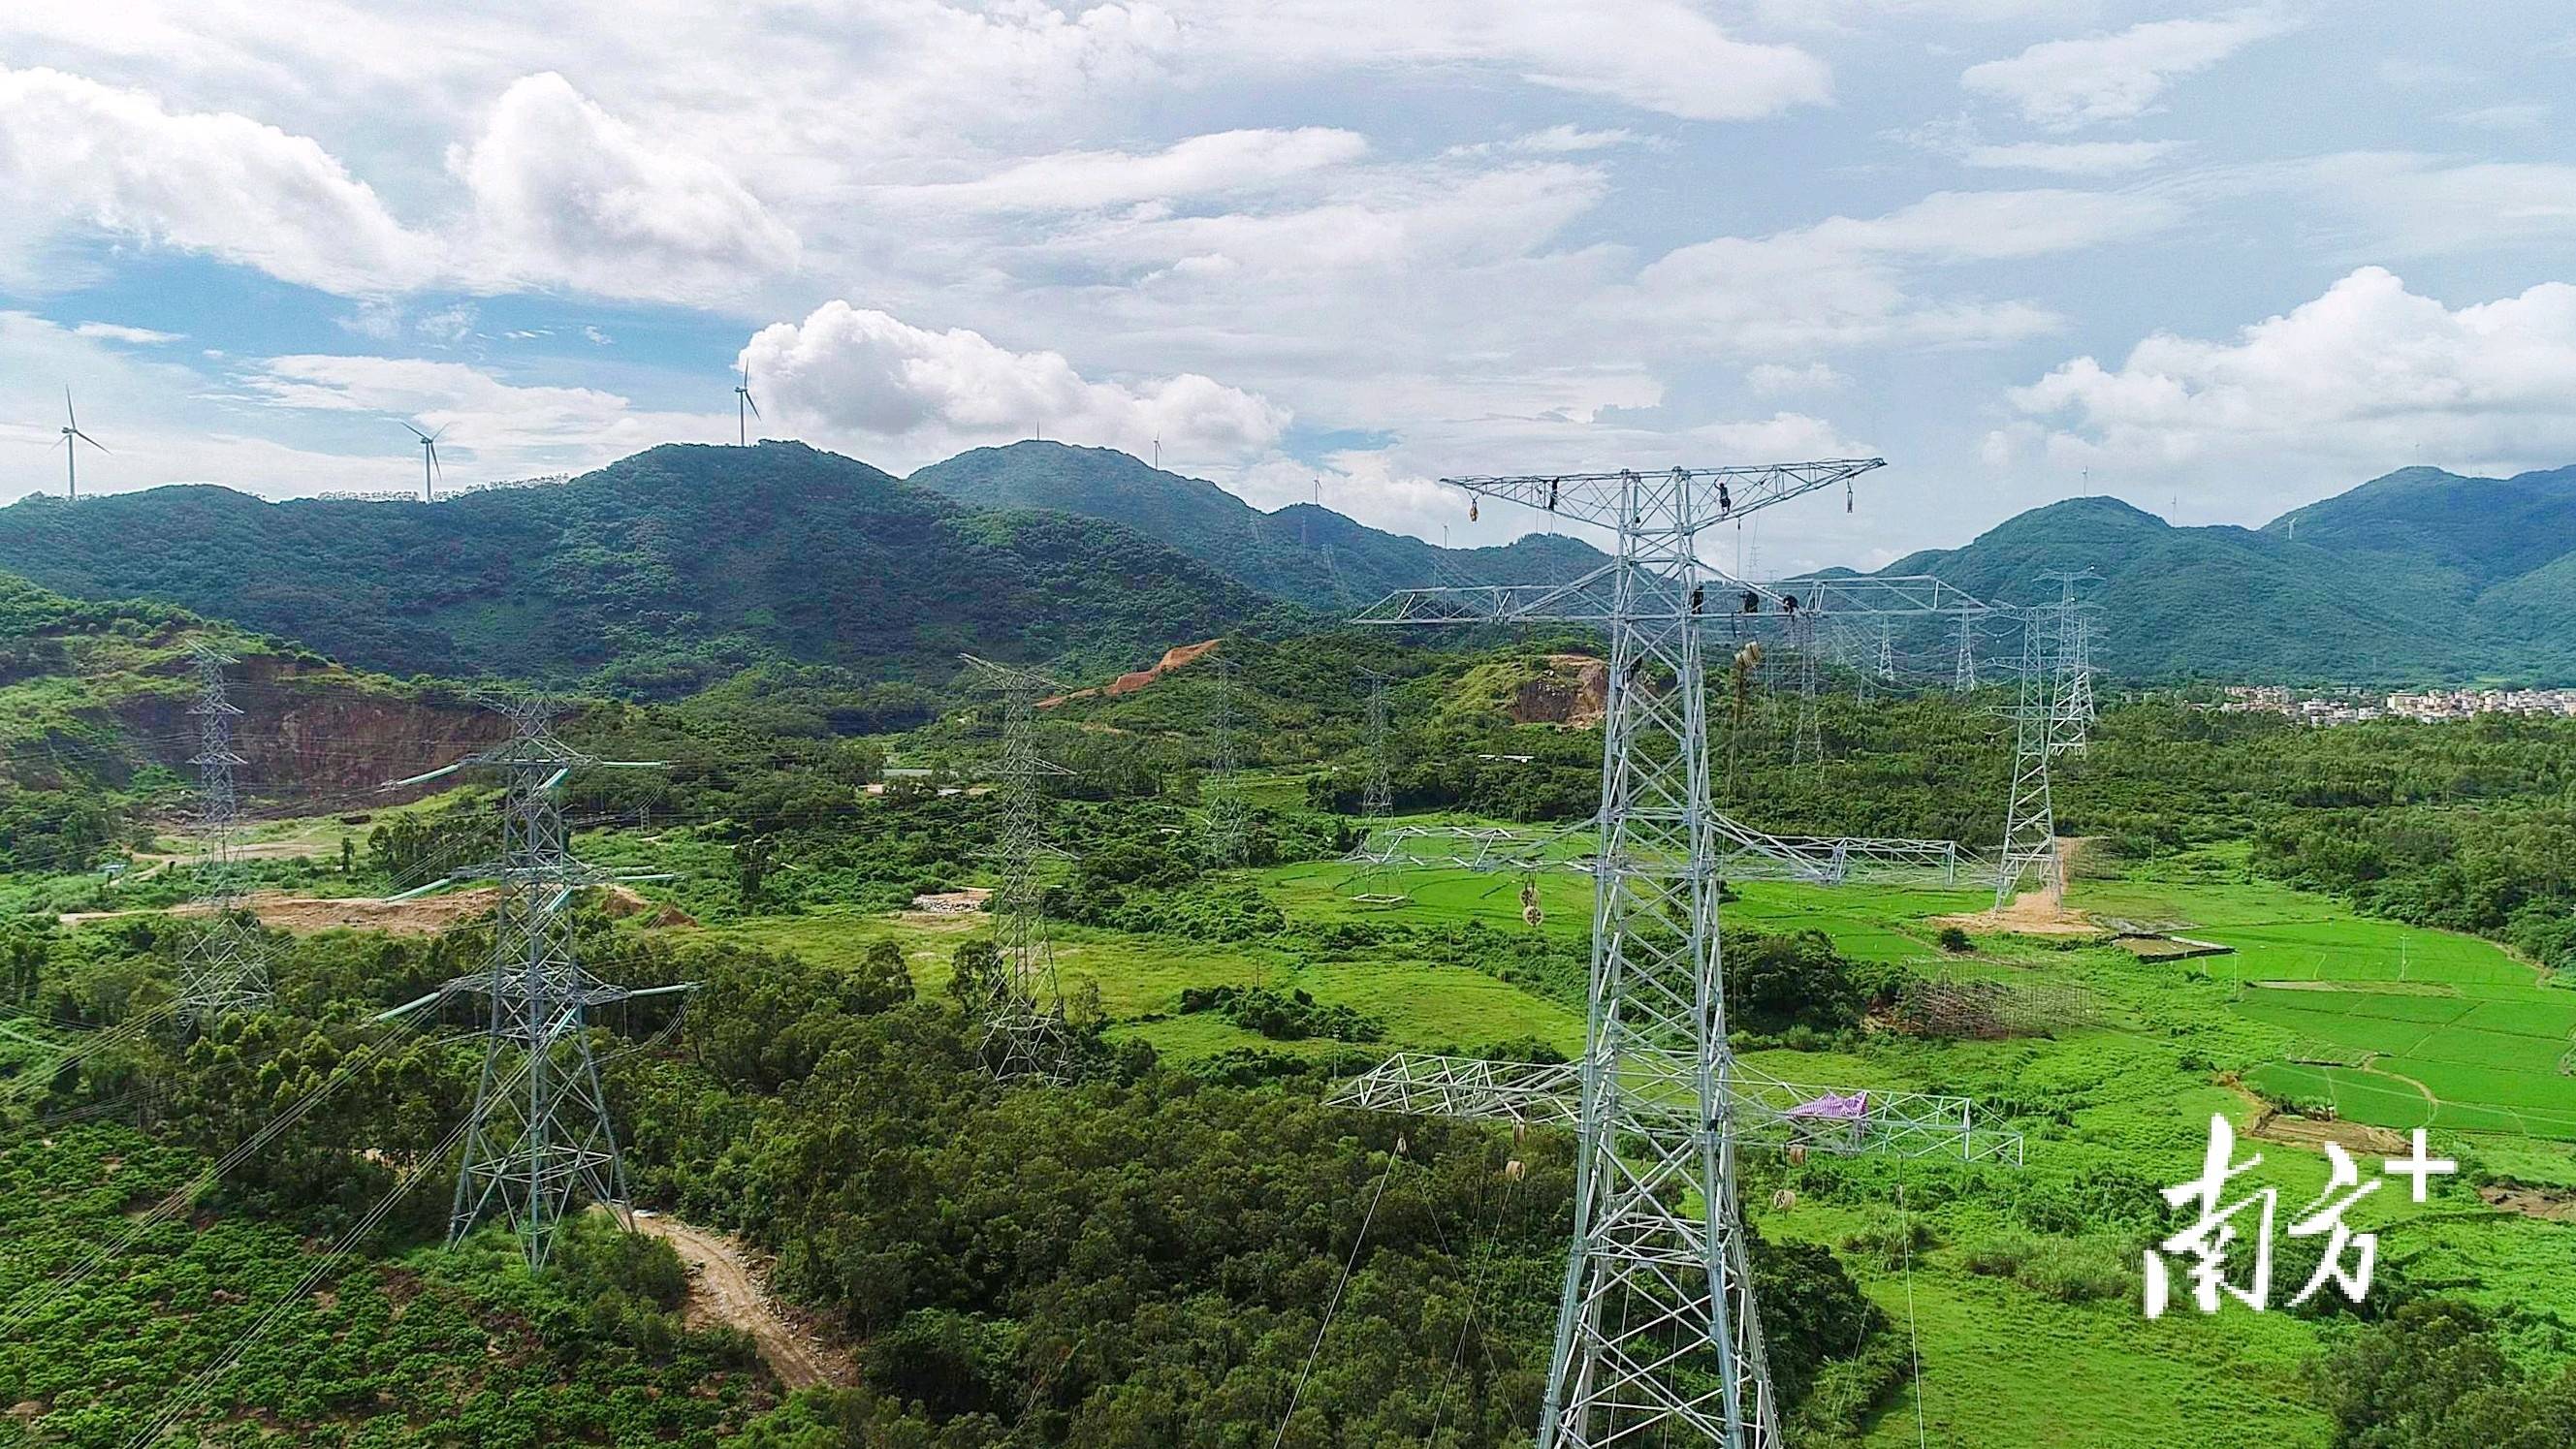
[[1573, 690], [319, 726], [1179, 656]]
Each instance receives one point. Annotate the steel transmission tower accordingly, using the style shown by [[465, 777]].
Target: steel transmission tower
[[1023, 1010], [1377, 791], [2076, 688], [2030, 814], [1964, 679], [227, 970], [539, 1141], [1656, 1330], [1807, 740], [2071, 670], [1227, 817]]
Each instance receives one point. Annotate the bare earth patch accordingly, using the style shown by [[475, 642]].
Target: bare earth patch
[[2034, 912], [2271, 1124], [419, 916], [725, 1287], [2532, 1202]]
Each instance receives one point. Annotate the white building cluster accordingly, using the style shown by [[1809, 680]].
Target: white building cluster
[[2352, 706]]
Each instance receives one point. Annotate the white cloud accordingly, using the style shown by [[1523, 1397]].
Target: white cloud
[[116, 332], [2117, 77], [2515, 116], [1559, 140], [1656, 55], [151, 410], [1214, 164], [1438, 215], [488, 421], [2419, 205], [1773, 378], [2071, 158], [861, 378], [2365, 378], [565, 192], [75, 154], [1844, 280]]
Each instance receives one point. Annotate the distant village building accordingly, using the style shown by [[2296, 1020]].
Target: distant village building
[[2432, 705]]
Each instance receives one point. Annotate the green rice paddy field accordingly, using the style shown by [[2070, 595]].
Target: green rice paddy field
[[2371, 1021]]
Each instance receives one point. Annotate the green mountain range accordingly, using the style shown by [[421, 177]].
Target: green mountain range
[[680, 566], [2421, 576], [654, 576], [1303, 553]]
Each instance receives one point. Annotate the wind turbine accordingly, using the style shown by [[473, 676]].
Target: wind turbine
[[429, 464], [73, 437], [742, 400]]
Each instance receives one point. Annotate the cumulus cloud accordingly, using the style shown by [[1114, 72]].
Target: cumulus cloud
[[1844, 280], [565, 192], [862, 378], [561, 193], [2120, 76], [2342, 387], [77, 154]]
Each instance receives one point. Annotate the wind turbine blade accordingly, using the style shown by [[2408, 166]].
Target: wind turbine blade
[[442, 432], [755, 406], [436, 466], [93, 442], [415, 432], [67, 408]]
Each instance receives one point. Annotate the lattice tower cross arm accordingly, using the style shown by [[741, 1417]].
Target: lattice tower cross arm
[[1620, 501]]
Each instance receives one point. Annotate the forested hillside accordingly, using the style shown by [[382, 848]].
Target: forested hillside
[[655, 576], [2417, 577], [1303, 552]]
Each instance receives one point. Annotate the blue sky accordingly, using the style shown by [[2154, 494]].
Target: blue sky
[[2216, 260]]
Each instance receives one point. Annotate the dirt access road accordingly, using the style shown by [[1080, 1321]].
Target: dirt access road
[[725, 1288]]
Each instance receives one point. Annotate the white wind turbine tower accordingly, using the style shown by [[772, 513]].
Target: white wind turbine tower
[[741, 401], [73, 437], [430, 467]]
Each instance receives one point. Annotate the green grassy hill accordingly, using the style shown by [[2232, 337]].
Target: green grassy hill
[[654, 576]]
